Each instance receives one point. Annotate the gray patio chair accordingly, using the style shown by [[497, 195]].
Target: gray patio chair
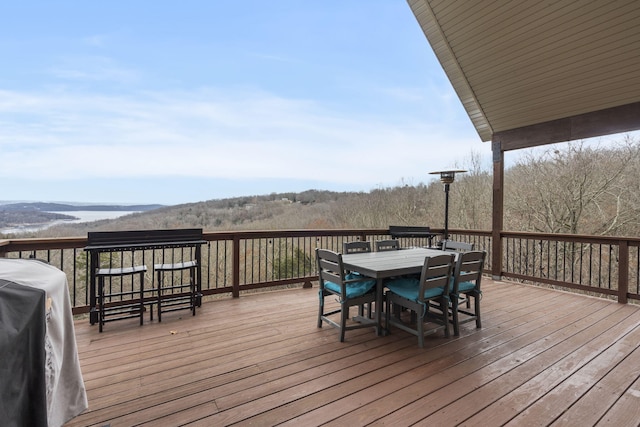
[[356, 247], [348, 289], [387, 245], [452, 246], [416, 294], [466, 284]]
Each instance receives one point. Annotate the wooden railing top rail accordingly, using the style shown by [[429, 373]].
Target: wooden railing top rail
[[550, 236], [570, 237], [12, 245], [18, 244]]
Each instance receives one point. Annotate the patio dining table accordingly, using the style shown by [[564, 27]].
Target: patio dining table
[[383, 265]]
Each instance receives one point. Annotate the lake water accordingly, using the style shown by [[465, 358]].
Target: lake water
[[82, 216]]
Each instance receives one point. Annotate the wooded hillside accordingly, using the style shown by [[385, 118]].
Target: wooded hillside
[[570, 188]]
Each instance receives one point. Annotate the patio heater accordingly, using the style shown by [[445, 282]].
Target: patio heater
[[447, 178]]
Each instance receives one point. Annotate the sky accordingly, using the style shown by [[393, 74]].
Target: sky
[[170, 102]]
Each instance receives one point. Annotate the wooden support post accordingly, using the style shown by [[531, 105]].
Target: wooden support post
[[498, 210], [623, 271]]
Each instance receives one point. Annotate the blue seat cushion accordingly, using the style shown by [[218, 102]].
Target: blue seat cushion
[[466, 286], [354, 289], [462, 286], [409, 287]]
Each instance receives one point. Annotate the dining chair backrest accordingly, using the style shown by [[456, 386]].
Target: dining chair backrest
[[356, 247], [436, 273], [450, 245], [468, 269], [330, 267], [387, 245]]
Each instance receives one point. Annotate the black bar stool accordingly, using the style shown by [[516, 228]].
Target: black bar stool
[[120, 309], [176, 295]]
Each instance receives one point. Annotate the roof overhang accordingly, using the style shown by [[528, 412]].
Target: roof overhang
[[537, 72]]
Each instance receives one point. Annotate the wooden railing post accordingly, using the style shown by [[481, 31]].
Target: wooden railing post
[[623, 271], [235, 292]]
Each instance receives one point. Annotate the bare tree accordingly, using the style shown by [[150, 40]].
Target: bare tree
[[471, 206], [576, 189]]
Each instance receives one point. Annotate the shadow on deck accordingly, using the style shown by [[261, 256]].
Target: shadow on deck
[[542, 356]]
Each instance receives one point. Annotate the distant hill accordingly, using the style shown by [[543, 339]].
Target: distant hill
[[290, 210], [19, 218], [63, 207], [22, 214]]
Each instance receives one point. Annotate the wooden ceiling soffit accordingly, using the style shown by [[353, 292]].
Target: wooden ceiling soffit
[[442, 48], [624, 118]]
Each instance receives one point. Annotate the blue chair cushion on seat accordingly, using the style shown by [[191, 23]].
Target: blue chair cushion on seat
[[354, 289], [409, 287], [462, 286], [465, 286]]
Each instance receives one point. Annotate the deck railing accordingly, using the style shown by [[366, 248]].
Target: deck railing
[[238, 261]]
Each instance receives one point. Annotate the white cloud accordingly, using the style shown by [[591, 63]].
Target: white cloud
[[215, 134]]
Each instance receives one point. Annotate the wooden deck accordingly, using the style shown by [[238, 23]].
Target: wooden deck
[[542, 357]]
